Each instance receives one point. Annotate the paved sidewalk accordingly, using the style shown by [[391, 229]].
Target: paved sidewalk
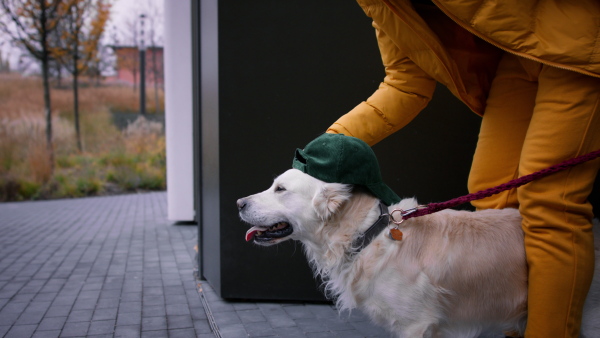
[[104, 266], [116, 267], [268, 319]]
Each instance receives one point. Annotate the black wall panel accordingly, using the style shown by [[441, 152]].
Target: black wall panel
[[274, 75]]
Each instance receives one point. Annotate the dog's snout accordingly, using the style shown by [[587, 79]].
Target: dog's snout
[[241, 204]]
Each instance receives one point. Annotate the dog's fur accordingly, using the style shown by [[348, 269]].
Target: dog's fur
[[455, 273]]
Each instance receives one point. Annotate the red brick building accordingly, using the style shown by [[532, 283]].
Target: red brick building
[[127, 66]]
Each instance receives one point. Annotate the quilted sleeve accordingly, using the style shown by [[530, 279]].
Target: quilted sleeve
[[404, 92]]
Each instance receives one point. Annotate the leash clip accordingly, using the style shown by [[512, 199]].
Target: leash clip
[[404, 213], [395, 232]]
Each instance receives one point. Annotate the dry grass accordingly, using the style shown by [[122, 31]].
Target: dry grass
[[25, 172]]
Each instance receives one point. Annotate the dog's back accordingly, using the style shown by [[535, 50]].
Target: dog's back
[[475, 263], [470, 267]]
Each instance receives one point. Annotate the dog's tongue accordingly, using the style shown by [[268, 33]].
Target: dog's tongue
[[250, 233]]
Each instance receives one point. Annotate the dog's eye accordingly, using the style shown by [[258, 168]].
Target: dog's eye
[[279, 188]]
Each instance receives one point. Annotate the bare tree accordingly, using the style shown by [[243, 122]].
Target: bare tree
[[80, 33], [29, 23], [4, 65], [155, 16], [4, 58]]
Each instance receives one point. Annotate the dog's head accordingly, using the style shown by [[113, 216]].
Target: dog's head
[[289, 209]]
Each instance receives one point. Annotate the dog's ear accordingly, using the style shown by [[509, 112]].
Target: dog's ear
[[330, 198]]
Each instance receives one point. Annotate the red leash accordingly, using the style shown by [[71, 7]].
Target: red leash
[[435, 207]]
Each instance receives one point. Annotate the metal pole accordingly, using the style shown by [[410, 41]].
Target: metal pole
[[142, 68]]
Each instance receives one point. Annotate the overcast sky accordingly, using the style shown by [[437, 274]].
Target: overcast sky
[[124, 13]]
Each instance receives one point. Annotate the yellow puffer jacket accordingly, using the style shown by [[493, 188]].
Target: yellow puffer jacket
[[459, 44]]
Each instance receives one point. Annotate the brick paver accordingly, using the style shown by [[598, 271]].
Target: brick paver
[[104, 266], [116, 267]]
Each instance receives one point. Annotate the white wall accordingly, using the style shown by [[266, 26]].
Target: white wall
[[178, 110]]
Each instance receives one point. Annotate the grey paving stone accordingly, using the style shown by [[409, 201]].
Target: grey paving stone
[[173, 290], [202, 326], [30, 317], [197, 312], [276, 316], [260, 329], [154, 323], [126, 307], [80, 316], [75, 329], [311, 325], [251, 316], [46, 334], [22, 297], [322, 311], [182, 333], [20, 331], [155, 334], [153, 299], [176, 299], [129, 318], [227, 318], [127, 331], [233, 331], [4, 329], [298, 311], [179, 322], [105, 313], [177, 310], [58, 311], [52, 323], [110, 293], [290, 332], [45, 296], [63, 300], [319, 334], [218, 306], [101, 327], [132, 296], [154, 311], [245, 306], [369, 329], [85, 304]]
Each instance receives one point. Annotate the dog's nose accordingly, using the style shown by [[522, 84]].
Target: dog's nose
[[241, 203]]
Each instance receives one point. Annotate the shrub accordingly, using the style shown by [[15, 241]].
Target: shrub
[[112, 161], [29, 190]]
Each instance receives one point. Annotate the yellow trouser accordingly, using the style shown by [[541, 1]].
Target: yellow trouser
[[537, 116]]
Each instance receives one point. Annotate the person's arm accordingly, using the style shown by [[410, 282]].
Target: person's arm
[[404, 92]]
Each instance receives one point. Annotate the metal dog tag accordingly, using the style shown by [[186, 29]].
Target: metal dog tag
[[395, 234]]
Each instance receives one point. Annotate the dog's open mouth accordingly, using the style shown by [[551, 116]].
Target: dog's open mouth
[[265, 234]]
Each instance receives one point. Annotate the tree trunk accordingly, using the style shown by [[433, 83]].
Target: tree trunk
[[45, 74], [76, 109], [58, 75], [48, 112], [135, 79], [155, 76]]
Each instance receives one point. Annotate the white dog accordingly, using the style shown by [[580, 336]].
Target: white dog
[[454, 274]]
